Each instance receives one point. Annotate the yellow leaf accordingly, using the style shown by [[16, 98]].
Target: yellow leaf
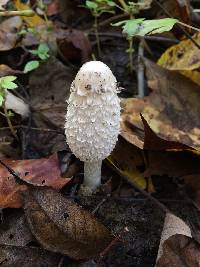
[[135, 176], [33, 21], [183, 57]]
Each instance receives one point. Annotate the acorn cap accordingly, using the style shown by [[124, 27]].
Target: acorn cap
[[93, 115]]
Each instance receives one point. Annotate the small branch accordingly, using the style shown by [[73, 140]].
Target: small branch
[[116, 240], [26, 13], [140, 71], [123, 4], [179, 26], [143, 192], [9, 122], [188, 26]]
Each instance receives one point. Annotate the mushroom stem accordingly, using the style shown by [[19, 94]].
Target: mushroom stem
[[92, 174]]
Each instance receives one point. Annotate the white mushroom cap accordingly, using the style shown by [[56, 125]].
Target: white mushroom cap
[[92, 120]]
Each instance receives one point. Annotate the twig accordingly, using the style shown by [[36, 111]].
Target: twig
[[116, 240], [9, 122], [179, 26], [143, 192], [110, 20], [140, 71], [148, 38], [99, 205], [33, 128], [189, 26], [26, 13]]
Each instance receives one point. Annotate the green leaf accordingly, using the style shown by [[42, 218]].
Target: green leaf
[[111, 3], [142, 27], [120, 23], [43, 50], [6, 82], [91, 5], [1, 100], [156, 26], [132, 26], [31, 65]]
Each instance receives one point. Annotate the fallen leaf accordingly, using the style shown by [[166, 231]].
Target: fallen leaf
[[8, 33], [32, 21], [171, 111], [27, 256], [49, 89], [177, 247], [129, 164], [62, 226], [40, 172], [3, 3], [6, 70], [7, 40], [14, 230], [74, 45], [179, 9], [183, 57], [53, 8], [172, 225]]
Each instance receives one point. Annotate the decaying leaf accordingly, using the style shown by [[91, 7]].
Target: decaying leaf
[[74, 45], [130, 162], [8, 33], [32, 21], [40, 172], [14, 230], [183, 57], [49, 89], [177, 248], [27, 256], [62, 226], [2, 3], [6, 70], [171, 110]]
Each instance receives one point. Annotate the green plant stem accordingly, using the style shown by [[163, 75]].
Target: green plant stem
[[26, 13], [9, 122], [97, 35], [123, 4], [131, 54]]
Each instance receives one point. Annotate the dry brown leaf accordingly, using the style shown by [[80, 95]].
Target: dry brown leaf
[[62, 226], [14, 230], [40, 172], [49, 89], [2, 3], [180, 251], [171, 110], [74, 45], [6, 70], [177, 247]]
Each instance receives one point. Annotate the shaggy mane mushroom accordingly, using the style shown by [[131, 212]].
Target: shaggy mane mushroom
[[93, 118]]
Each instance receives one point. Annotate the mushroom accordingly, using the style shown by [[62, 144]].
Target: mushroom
[[93, 119]]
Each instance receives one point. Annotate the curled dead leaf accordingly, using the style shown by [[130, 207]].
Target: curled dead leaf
[[62, 226], [40, 172]]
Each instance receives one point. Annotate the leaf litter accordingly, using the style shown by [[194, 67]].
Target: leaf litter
[[159, 141]]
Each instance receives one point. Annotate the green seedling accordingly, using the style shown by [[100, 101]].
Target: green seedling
[[140, 27], [97, 8], [42, 52], [7, 83]]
